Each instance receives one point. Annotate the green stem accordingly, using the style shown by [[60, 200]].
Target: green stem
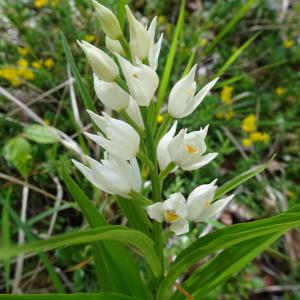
[[125, 47], [144, 158], [164, 173], [140, 198], [120, 82], [156, 187]]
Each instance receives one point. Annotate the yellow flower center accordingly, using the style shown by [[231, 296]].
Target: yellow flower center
[[171, 216], [190, 92], [207, 204], [190, 149], [135, 75]]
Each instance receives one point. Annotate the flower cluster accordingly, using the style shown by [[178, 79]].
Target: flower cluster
[[22, 71], [250, 127], [127, 82]]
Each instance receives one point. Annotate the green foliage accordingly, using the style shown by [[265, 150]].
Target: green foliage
[[41, 134], [18, 152]]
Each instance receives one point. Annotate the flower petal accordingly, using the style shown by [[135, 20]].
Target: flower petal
[[180, 227], [156, 211]]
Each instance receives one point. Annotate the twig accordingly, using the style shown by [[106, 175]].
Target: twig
[[21, 239], [64, 138], [32, 187], [183, 292], [73, 100], [59, 196], [42, 96]]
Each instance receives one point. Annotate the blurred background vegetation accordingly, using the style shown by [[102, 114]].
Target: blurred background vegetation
[[253, 112]]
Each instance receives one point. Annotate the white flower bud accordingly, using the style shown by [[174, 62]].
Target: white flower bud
[[114, 46], [103, 66], [108, 20]]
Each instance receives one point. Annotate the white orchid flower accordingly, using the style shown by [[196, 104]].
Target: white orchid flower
[[184, 150], [134, 113], [173, 211], [121, 139], [111, 94], [139, 37], [104, 67], [182, 100], [108, 20], [114, 46], [197, 208], [113, 175], [142, 81], [154, 48]]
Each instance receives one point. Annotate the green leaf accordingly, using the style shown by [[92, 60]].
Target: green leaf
[[230, 25], [88, 102], [235, 55], [122, 277], [225, 238], [233, 183], [41, 134], [18, 152], [224, 265], [134, 238], [164, 84], [86, 296]]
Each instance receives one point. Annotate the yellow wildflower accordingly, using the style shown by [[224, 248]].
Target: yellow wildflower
[[37, 64], [22, 51], [203, 42], [226, 94], [247, 142], [11, 75], [54, 3], [290, 194], [40, 3], [229, 114], [89, 38], [260, 137], [49, 62], [280, 91], [219, 115], [249, 123], [23, 63], [28, 74], [161, 19], [159, 119], [288, 43], [47, 122]]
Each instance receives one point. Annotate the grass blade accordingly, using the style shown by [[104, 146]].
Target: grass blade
[[230, 25], [43, 257], [88, 102], [236, 54], [164, 84], [6, 236], [233, 183], [121, 13], [86, 296]]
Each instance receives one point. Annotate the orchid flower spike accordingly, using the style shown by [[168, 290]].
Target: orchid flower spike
[[108, 20], [197, 208], [154, 48], [185, 149], [142, 81], [110, 94], [139, 37], [121, 139], [113, 175], [104, 67], [182, 99]]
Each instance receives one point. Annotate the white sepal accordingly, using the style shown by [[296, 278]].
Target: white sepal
[[182, 100], [114, 46], [142, 81], [110, 94], [134, 113]]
